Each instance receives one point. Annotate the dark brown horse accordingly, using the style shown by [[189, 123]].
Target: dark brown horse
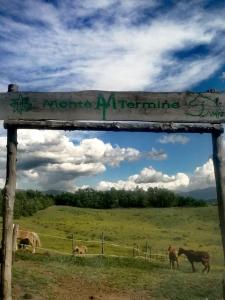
[[196, 256], [173, 257]]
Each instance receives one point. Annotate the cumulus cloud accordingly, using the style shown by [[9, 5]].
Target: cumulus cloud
[[203, 176], [54, 160], [156, 154], [48, 159], [174, 139], [108, 44], [148, 177]]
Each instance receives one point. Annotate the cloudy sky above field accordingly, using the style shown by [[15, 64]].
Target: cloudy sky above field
[[143, 45]]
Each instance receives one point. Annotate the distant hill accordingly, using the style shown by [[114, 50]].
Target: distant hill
[[204, 194], [53, 192]]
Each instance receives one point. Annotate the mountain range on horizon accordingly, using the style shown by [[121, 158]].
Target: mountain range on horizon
[[203, 194]]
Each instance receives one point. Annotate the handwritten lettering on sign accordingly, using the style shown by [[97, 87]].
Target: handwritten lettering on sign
[[103, 105], [118, 105], [21, 104], [198, 106]]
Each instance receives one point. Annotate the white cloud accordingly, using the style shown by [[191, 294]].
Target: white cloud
[[48, 159], [174, 139], [105, 44], [148, 177], [203, 176], [157, 154]]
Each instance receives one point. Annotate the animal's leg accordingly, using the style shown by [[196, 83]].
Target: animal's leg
[[193, 267], [205, 267], [33, 247], [177, 263], [173, 265]]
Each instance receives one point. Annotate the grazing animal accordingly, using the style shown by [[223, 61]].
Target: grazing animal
[[80, 250], [25, 237], [23, 244], [196, 256], [173, 257]]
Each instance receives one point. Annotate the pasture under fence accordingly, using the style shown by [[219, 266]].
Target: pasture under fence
[[66, 245]]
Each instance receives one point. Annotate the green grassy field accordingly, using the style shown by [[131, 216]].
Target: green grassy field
[[123, 277]]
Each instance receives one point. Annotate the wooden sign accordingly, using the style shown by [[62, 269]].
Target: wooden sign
[[114, 106]]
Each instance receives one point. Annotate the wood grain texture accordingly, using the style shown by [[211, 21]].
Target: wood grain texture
[[115, 126], [8, 208], [114, 106], [219, 169]]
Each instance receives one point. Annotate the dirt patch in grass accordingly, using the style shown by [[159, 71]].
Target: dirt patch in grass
[[70, 287], [19, 294], [80, 289]]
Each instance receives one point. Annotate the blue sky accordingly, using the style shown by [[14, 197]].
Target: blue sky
[[129, 45]]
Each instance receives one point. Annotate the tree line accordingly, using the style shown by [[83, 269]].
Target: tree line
[[153, 197], [29, 202]]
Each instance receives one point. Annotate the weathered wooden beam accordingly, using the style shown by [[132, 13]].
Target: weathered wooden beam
[[13, 88], [14, 241], [114, 106], [219, 168], [115, 126], [8, 209]]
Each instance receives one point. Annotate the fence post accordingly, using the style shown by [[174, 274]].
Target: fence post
[[150, 252], [219, 169], [137, 247], [73, 245], [146, 249], [102, 242], [8, 209]]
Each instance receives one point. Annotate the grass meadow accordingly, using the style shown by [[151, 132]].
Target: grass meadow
[[53, 273]]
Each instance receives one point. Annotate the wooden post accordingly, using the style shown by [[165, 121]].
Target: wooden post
[[146, 249], [219, 168], [223, 285], [102, 242], [73, 245], [13, 88], [138, 252], [8, 209], [14, 241]]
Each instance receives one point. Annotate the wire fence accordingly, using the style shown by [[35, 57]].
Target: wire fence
[[66, 246]]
